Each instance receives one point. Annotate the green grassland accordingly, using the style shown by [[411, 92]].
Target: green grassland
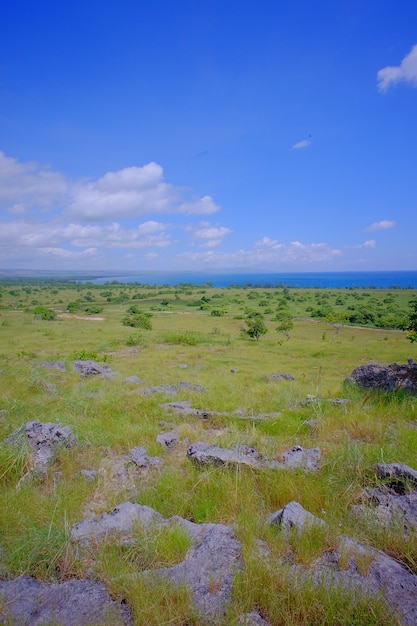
[[196, 335]]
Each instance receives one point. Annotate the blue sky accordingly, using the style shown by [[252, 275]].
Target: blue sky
[[210, 134]]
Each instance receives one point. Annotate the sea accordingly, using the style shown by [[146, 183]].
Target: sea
[[323, 280]]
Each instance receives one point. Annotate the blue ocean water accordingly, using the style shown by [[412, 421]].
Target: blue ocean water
[[331, 280]]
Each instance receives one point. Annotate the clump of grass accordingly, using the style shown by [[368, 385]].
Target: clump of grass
[[186, 338]]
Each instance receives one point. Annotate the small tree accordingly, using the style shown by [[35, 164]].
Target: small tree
[[43, 313], [136, 318], [410, 324], [285, 327], [255, 327]]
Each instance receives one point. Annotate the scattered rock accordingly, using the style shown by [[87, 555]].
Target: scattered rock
[[234, 370], [168, 440], [397, 475], [312, 399], [207, 454], [386, 377], [53, 365], [282, 377], [171, 390], [382, 574], [89, 475], [293, 514], [307, 458], [252, 619], [132, 379], [208, 568], [140, 458], [184, 407], [44, 440], [91, 368], [29, 602]]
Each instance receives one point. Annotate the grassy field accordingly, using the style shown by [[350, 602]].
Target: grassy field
[[196, 336]]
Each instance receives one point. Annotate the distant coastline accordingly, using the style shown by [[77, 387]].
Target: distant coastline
[[323, 280]]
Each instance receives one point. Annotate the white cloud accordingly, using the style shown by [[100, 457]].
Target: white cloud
[[266, 253], [382, 225], [371, 243], [405, 72], [301, 144], [130, 192], [21, 234], [25, 185], [209, 236]]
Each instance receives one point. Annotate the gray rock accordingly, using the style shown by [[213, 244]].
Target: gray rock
[[306, 458], [282, 377], [386, 507], [293, 514], [167, 440], [184, 408], [252, 619], [29, 602], [140, 457], [44, 440], [132, 379], [89, 475], [172, 390], [91, 368], [53, 365], [386, 377], [207, 454], [398, 476], [208, 568], [118, 523], [382, 573]]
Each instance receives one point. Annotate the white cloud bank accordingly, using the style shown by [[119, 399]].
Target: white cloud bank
[[382, 225], [265, 253], [405, 72]]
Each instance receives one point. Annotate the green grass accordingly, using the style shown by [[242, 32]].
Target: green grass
[[187, 343]]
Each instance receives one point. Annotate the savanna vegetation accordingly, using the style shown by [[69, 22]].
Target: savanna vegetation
[[230, 341]]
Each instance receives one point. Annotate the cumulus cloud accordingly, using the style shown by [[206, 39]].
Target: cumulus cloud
[[382, 225], [301, 144], [130, 192], [26, 185], [405, 72], [370, 243], [265, 253], [25, 234], [208, 236]]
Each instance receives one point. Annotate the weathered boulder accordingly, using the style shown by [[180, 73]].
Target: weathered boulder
[[29, 602], [44, 439], [381, 574], [386, 377], [53, 365], [394, 503], [140, 457], [281, 376], [209, 566], [252, 619], [168, 439], [208, 454], [91, 368]]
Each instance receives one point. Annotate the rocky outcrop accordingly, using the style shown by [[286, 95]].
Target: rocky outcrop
[[171, 390], [209, 566], [29, 602], [385, 377], [88, 368], [140, 457], [184, 408], [207, 454], [355, 566], [44, 440]]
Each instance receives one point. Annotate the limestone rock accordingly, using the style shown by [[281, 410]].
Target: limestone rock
[[29, 602], [44, 439], [54, 365], [140, 457], [208, 568], [386, 377], [168, 439], [91, 368]]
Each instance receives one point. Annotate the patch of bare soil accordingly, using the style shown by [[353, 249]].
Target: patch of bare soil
[[90, 318]]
